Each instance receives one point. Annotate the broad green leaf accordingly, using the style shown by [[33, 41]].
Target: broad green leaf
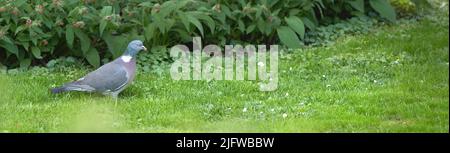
[[25, 45], [20, 28], [241, 26], [261, 24], [84, 40], [146, 4], [297, 25], [167, 8], [226, 10], [106, 10], [181, 3], [69, 36], [308, 23], [196, 22], [36, 52], [34, 40], [209, 22], [357, 4], [160, 23], [258, 13], [92, 57], [149, 31], [384, 8], [103, 24], [288, 37], [169, 24], [116, 44], [18, 3], [294, 12], [185, 21], [132, 35], [10, 47], [312, 17], [37, 30], [250, 28], [7, 39]]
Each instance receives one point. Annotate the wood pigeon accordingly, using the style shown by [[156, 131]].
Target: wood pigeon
[[111, 78]]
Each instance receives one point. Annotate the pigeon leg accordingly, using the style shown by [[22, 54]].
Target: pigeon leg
[[115, 103], [115, 97]]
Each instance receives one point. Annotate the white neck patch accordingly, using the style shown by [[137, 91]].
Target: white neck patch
[[126, 58]]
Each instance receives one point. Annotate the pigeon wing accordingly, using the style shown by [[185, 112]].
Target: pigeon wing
[[110, 77]]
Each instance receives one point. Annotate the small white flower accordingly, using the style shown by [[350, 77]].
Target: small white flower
[[244, 110], [261, 112], [287, 94], [396, 62], [375, 81], [285, 115], [272, 110], [323, 76], [261, 64], [290, 68]]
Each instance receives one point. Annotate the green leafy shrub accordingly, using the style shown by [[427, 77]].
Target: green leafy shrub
[[404, 7], [34, 32], [326, 35]]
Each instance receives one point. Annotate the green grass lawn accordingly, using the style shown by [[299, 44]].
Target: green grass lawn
[[392, 80]]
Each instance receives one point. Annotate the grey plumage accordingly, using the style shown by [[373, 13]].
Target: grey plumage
[[111, 78]]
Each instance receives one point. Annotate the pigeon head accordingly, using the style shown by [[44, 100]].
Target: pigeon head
[[134, 47]]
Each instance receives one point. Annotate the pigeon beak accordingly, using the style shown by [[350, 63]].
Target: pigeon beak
[[143, 47]]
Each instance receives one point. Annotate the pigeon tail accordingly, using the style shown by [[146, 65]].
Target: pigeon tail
[[58, 90], [73, 86]]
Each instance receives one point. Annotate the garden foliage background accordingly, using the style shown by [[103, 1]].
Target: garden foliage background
[[36, 32], [359, 66]]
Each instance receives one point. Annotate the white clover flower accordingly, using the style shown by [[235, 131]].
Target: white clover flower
[[244, 110], [285, 115], [261, 64]]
